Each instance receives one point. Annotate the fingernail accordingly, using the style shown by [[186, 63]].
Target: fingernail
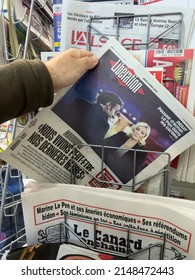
[[95, 58]]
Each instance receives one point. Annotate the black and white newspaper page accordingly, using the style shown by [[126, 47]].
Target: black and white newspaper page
[[116, 124]]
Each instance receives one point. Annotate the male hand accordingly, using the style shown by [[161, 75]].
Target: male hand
[[68, 66]]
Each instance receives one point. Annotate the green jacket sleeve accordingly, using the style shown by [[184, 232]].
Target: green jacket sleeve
[[25, 86]]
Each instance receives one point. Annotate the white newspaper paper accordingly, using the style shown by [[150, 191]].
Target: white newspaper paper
[[178, 78], [185, 4], [64, 142], [101, 219], [143, 27]]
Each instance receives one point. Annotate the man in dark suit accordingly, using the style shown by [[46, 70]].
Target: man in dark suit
[[90, 120]]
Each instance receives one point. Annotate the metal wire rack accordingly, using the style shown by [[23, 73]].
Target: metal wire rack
[[66, 230], [12, 209], [10, 203], [102, 181], [12, 230], [125, 21]]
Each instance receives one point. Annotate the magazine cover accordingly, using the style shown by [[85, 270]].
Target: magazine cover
[[178, 65], [116, 124], [57, 14], [161, 228], [178, 72], [89, 25]]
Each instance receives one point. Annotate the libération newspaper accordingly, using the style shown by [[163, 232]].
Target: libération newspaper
[[84, 136], [145, 227]]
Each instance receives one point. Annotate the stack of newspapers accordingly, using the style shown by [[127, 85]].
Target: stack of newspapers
[[123, 224], [73, 142]]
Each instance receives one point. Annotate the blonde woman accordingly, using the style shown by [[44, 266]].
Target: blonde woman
[[120, 156]]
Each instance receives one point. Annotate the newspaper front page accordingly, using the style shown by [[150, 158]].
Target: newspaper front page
[[123, 224], [178, 72], [89, 25], [117, 124], [178, 79]]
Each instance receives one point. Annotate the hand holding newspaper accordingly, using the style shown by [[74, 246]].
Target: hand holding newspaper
[[116, 125]]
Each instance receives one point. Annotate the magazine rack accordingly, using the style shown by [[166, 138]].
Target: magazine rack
[[10, 203], [125, 21], [65, 229], [11, 208], [10, 199], [28, 48], [103, 181]]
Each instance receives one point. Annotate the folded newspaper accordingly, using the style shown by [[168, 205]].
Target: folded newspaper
[[117, 124], [123, 224]]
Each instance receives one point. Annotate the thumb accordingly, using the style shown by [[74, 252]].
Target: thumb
[[90, 61]]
